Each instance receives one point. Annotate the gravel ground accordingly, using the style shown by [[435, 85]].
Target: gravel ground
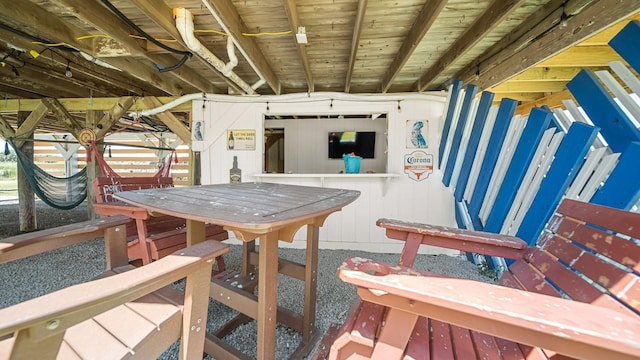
[[37, 275]]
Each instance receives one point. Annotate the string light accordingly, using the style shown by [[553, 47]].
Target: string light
[[67, 71], [563, 17]]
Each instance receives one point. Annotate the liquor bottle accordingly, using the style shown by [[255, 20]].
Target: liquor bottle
[[235, 174], [231, 141]]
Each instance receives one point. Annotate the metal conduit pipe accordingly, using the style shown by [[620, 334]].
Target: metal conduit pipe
[[184, 24]]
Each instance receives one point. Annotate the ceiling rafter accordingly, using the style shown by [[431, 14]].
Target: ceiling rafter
[[591, 20], [31, 16], [229, 15], [294, 23], [490, 18], [427, 16], [112, 26], [107, 80], [161, 14], [34, 81], [531, 29], [355, 42]]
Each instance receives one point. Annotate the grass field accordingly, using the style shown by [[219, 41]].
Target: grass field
[[8, 182]]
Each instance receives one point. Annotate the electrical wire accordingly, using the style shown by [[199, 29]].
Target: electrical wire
[[185, 54]]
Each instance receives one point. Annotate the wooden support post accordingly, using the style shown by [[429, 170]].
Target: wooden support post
[[26, 198], [93, 170]]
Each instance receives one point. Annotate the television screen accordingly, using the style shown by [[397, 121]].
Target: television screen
[[361, 143]]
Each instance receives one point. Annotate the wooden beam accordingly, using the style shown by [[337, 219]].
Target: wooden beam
[[120, 108], [111, 25], [39, 83], [600, 15], [84, 104], [56, 30], [522, 36], [176, 126], [541, 73], [528, 86], [427, 16], [232, 20], [63, 115], [26, 128], [294, 23], [355, 42], [552, 101], [490, 18], [162, 15], [583, 56], [5, 129]]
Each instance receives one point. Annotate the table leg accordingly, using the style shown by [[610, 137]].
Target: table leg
[[195, 232], [248, 248], [267, 295], [310, 282]]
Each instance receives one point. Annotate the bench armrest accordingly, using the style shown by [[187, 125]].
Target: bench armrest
[[21, 246], [111, 209], [77, 303], [568, 327], [480, 242]]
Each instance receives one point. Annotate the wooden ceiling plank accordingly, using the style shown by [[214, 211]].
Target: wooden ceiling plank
[[520, 37], [541, 73], [583, 56], [112, 116], [294, 23], [101, 78], [111, 25], [162, 15], [591, 20], [39, 83], [490, 18], [175, 125], [529, 86], [63, 115], [26, 129], [355, 42], [427, 16], [229, 15], [47, 23]]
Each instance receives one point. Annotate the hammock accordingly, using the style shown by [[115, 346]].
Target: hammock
[[62, 193]]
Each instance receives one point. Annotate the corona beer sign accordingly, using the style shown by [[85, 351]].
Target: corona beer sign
[[418, 165]]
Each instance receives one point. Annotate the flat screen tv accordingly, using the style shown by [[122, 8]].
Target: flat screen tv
[[361, 143]]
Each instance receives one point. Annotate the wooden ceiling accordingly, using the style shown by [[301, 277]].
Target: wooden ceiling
[[83, 49]]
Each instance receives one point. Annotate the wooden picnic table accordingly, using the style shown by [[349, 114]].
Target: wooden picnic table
[[264, 211]]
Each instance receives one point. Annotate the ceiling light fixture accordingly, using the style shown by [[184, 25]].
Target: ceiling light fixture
[[301, 35]]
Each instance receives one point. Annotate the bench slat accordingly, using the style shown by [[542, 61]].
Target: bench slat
[[623, 222]]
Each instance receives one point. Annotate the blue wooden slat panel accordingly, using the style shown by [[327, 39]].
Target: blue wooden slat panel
[[457, 136], [564, 168], [498, 133], [627, 44], [536, 125], [455, 92], [616, 127], [474, 139], [554, 122], [622, 188]]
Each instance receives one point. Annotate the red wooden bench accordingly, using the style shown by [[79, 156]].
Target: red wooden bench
[[125, 312], [576, 294], [150, 237]]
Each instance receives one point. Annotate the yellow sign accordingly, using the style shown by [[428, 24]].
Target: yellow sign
[[241, 139]]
